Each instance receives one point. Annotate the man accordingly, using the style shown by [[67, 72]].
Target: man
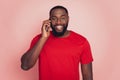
[[59, 51]]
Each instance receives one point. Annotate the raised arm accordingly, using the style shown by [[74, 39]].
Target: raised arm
[[29, 59]]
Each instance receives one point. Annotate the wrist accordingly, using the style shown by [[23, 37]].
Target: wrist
[[43, 38]]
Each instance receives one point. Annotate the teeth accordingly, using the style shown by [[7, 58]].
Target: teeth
[[59, 27]]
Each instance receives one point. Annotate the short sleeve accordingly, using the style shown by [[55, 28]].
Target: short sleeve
[[86, 55], [34, 40]]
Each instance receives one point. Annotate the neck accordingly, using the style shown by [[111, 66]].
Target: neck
[[66, 34]]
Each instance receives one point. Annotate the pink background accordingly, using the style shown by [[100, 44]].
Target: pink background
[[97, 20]]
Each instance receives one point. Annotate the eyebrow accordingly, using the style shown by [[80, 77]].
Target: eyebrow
[[55, 16]]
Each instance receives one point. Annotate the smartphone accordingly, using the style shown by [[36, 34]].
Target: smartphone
[[47, 26]]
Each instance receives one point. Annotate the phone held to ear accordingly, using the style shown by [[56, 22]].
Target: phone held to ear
[[47, 27]]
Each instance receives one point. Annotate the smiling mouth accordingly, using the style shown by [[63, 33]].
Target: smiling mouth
[[59, 28]]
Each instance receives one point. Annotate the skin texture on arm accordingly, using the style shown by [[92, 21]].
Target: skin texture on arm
[[87, 73], [29, 59]]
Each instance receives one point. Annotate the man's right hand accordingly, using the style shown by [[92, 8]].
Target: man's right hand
[[46, 28], [29, 58]]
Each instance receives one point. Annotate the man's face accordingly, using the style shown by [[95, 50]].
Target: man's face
[[59, 21]]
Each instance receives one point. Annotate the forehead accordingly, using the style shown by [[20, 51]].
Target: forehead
[[58, 12]]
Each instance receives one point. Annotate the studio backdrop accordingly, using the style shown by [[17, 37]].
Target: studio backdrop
[[97, 20]]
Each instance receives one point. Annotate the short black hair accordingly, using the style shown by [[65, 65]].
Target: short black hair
[[58, 7]]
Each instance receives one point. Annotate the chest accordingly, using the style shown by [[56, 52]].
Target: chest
[[62, 49]]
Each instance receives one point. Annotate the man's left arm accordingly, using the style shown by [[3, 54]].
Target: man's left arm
[[86, 70]]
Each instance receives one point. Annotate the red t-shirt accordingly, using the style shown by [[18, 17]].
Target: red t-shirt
[[60, 57]]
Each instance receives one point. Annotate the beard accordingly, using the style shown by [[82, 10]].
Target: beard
[[56, 33]]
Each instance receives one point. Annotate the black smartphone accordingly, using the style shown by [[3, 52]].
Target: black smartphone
[[46, 28]]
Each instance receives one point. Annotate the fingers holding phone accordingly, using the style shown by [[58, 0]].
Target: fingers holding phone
[[46, 28]]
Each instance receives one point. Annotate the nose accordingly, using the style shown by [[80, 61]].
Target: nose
[[58, 21]]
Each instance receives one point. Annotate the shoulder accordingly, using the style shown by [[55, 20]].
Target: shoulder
[[78, 38], [36, 38]]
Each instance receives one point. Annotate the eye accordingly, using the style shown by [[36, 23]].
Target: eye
[[53, 18], [63, 18]]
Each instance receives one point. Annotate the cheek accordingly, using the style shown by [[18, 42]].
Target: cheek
[[65, 23], [53, 23]]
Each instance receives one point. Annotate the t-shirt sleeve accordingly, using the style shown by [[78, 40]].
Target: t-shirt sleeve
[[34, 40], [86, 55]]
